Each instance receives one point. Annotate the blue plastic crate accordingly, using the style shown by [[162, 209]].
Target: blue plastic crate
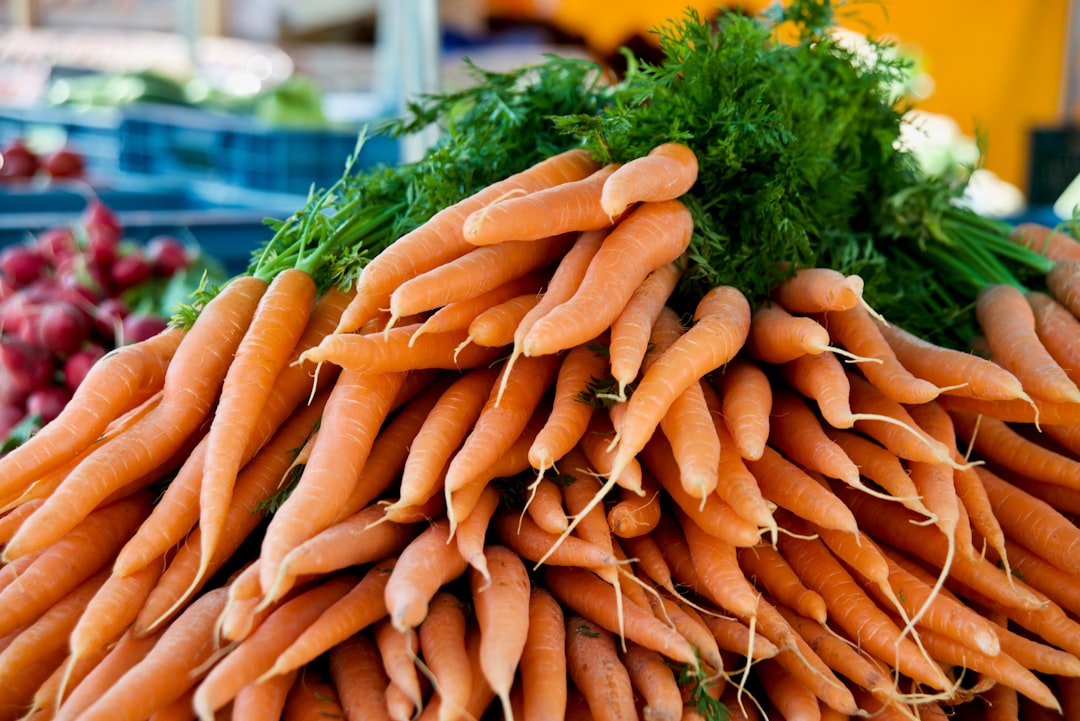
[[93, 132], [180, 142]]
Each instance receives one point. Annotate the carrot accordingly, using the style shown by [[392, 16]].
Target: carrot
[[852, 610], [599, 449], [1063, 282], [764, 566], [788, 486], [442, 432], [535, 544], [424, 566], [586, 594], [1059, 586], [12, 519], [120, 380], [1054, 244], [68, 675], [265, 700], [441, 238], [788, 695], [495, 327], [113, 609], [78, 555], [746, 400], [177, 511], [716, 565], [778, 336], [816, 290], [652, 235], [997, 442], [689, 622], [121, 657], [481, 694], [1000, 703], [501, 603], [881, 466], [667, 172], [255, 484], [954, 372], [398, 650], [635, 515], [1008, 323], [655, 682], [278, 322], [442, 646], [166, 672], [823, 379], [191, 385], [458, 315], [795, 430], [354, 412], [715, 516], [356, 670], [630, 330], [475, 272], [1033, 523], [1017, 411], [247, 661], [49, 631], [900, 435], [856, 330], [721, 321], [17, 695], [312, 697], [543, 659], [593, 665], [501, 421], [471, 534], [570, 410], [571, 206], [544, 505]]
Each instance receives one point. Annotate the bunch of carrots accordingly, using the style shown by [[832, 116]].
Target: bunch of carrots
[[505, 474]]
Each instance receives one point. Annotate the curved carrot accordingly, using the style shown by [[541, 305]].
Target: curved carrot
[[1063, 282], [815, 290], [881, 466], [442, 646], [570, 206], [191, 385], [667, 172], [788, 695], [275, 328], [717, 566], [500, 601], [1057, 329], [901, 435], [118, 381], [395, 351], [471, 534], [122, 656], [495, 327], [594, 667], [422, 568], [262, 700], [652, 235], [113, 609], [441, 238], [721, 323], [795, 430], [535, 544], [777, 336], [570, 413], [458, 315], [636, 514], [654, 680], [1008, 324]]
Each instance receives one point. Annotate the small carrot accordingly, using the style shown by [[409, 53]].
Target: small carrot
[[458, 315], [312, 697], [495, 327], [396, 351], [787, 694], [594, 667], [441, 238], [654, 680], [630, 330], [398, 649], [113, 609], [570, 206], [668, 171], [358, 675], [651, 236], [635, 515], [816, 290], [716, 564], [766, 567], [1008, 324], [544, 505], [1063, 282], [471, 533], [881, 466], [501, 604], [428, 562], [543, 659], [262, 700], [778, 336], [789, 486], [890, 424], [536, 544], [1059, 586], [795, 430], [746, 401], [442, 645], [121, 656], [721, 322], [996, 441], [599, 449]]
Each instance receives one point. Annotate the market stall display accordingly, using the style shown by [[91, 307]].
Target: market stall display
[[390, 470]]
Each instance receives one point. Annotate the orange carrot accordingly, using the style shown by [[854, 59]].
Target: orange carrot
[[248, 660], [501, 604], [428, 562], [795, 430], [113, 609], [788, 695], [654, 680], [746, 400], [441, 238], [631, 329], [652, 235], [716, 564], [535, 544], [721, 321], [691, 624], [471, 534], [275, 328], [442, 646], [765, 567], [1063, 282], [396, 351], [998, 442], [1059, 586], [953, 371], [458, 315], [635, 515], [900, 435], [495, 327], [815, 290], [120, 380], [570, 411], [881, 466], [599, 449], [574, 205], [1054, 244], [1057, 328], [543, 660], [262, 700], [778, 336], [354, 412], [1016, 411], [1008, 324], [69, 561], [544, 505], [122, 656], [668, 171], [191, 386], [593, 665], [313, 697], [788, 486], [398, 649], [358, 675]]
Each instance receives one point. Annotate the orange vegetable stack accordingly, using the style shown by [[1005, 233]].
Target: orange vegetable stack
[[608, 511]]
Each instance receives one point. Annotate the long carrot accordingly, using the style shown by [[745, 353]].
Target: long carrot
[[543, 659], [594, 666], [716, 564], [576, 206], [422, 568], [113, 609], [396, 350], [122, 656], [357, 672], [1054, 244], [996, 441], [262, 700], [442, 646], [1063, 282], [191, 386], [654, 680], [746, 401], [789, 486], [721, 322], [652, 235], [1057, 327], [398, 649], [766, 567], [668, 171], [458, 315], [501, 604]]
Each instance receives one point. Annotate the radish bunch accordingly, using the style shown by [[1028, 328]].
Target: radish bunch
[[66, 298]]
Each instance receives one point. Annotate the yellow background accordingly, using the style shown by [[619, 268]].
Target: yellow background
[[996, 65]]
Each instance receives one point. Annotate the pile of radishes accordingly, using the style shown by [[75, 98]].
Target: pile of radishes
[[65, 300]]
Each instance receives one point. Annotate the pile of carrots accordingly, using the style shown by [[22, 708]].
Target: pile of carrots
[[505, 475]]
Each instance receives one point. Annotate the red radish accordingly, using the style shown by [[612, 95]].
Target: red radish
[[140, 326], [62, 327], [167, 255], [109, 318], [129, 271], [79, 363], [98, 218], [22, 265], [56, 244], [24, 369], [46, 403], [64, 163], [9, 418], [17, 161]]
